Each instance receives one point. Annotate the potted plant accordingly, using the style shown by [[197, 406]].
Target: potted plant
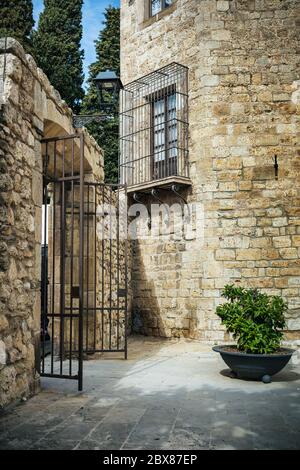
[[256, 321]]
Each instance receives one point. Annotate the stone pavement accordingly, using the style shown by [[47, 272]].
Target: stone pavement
[[170, 394]]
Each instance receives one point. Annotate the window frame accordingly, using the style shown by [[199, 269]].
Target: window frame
[[163, 166], [162, 8]]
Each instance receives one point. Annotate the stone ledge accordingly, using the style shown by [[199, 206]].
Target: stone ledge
[[14, 47]]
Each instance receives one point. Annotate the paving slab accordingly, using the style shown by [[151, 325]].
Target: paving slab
[[169, 394]]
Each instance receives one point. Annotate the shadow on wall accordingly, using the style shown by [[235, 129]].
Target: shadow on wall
[[158, 310], [169, 296], [146, 315]]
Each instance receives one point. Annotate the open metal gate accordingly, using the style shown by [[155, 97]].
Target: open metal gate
[[84, 263]]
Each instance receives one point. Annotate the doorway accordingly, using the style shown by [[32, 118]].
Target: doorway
[[84, 263]]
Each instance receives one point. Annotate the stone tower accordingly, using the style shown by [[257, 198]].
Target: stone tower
[[243, 99]]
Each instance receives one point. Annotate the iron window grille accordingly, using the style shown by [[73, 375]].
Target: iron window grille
[[154, 126], [156, 6]]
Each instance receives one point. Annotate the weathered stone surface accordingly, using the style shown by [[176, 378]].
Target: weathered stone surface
[[2, 353], [30, 109], [244, 109], [160, 409], [293, 324]]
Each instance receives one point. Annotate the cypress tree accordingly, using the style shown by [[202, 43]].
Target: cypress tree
[[58, 50], [107, 57], [16, 21]]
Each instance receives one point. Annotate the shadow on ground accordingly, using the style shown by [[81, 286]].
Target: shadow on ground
[[287, 376], [168, 395]]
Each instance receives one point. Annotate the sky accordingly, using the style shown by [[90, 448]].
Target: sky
[[92, 23]]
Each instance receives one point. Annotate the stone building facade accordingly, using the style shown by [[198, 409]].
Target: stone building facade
[[244, 99], [30, 109]]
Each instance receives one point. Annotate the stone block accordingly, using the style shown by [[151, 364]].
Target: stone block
[[225, 254], [270, 253], [296, 240], [3, 355], [248, 254], [288, 253], [37, 188], [245, 185], [40, 101], [221, 35], [274, 212], [279, 222], [247, 222], [235, 241], [260, 242], [222, 5], [293, 324], [210, 80]]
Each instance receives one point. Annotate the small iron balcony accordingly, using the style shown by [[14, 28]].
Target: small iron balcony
[[154, 130]]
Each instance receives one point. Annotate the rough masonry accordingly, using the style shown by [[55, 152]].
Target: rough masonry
[[244, 97], [30, 109]]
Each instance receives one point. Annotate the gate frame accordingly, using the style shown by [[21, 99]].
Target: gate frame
[[75, 179], [117, 187], [47, 178]]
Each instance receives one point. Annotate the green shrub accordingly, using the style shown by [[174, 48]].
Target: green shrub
[[255, 319]]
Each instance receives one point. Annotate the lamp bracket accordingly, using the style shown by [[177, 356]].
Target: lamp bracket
[[81, 120]]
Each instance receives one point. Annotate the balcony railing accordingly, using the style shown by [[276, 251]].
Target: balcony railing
[[154, 128]]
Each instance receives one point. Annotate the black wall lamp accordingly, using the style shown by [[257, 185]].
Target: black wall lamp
[[108, 86]]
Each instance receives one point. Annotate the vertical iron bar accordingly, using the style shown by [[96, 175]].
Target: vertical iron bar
[[110, 267], [187, 125], [45, 272], [95, 264], [126, 283], [87, 267], [131, 144], [53, 260], [119, 140], [118, 263], [103, 261], [44, 268], [139, 125], [166, 124], [81, 254], [62, 260], [71, 261]]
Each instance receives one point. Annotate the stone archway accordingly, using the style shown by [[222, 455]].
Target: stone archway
[[30, 110]]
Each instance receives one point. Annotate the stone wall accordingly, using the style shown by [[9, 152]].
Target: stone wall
[[30, 109], [244, 104]]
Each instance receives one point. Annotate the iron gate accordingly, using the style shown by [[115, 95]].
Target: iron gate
[[84, 263]]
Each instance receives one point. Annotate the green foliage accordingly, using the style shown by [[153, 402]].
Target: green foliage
[[57, 44], [16, 21], [255, 319], [107, 57]]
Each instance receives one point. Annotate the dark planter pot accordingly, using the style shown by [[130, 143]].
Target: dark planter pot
[[254, 366]]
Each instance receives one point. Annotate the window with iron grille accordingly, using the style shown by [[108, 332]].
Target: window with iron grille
[[164, 134], [154, 126], [156, 6]]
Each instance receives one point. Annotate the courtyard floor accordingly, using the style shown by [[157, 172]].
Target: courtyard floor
[[169, 394]]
